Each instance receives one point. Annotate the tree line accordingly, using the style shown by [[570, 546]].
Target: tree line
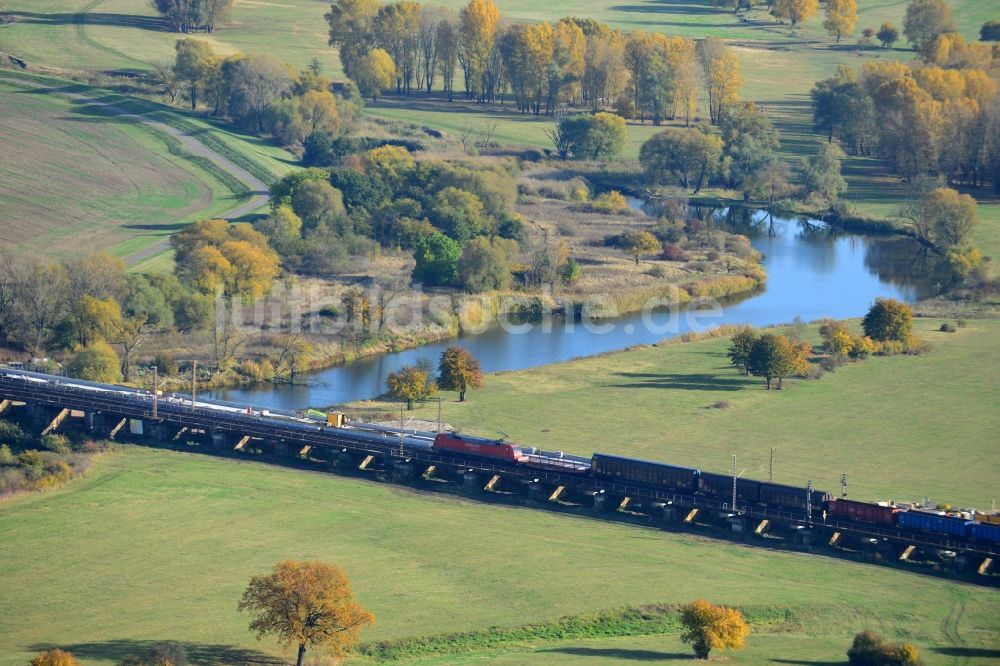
[[936, 117], [576, 62], [192, 15], [258, 92]]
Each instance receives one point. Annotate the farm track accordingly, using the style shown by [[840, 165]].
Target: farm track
[[257, 188]]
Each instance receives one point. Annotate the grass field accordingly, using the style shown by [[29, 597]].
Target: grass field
[[157, 545], [901, 427], [112, 183], [102, 183]]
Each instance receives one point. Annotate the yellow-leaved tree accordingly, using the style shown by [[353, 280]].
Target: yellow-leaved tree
[[841, 16], [708, 627], [55, 658], [795, 11], [305, 605]]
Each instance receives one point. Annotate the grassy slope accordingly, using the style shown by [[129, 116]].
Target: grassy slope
[[139, 185], [900, 427], [131, 190], [157, 545]]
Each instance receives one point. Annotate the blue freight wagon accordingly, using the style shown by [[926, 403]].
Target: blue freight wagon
[[926, 521], [988, 532]]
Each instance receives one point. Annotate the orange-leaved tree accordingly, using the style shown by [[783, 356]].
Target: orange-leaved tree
[[55, 658], [460, 371], [708, 627], [305, 604]]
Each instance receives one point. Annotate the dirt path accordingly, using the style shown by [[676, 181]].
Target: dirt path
[[257, 187]]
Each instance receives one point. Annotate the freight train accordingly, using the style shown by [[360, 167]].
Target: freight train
[[641, 474]]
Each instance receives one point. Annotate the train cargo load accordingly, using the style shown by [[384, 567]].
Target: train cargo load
[[864, 511], [479, 446]]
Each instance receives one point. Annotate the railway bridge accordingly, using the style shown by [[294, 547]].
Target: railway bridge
[[216, 427]]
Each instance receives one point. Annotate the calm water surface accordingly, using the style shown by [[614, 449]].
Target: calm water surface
[[812, 273]]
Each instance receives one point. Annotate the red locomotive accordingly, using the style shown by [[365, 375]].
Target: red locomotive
[[479, 446]]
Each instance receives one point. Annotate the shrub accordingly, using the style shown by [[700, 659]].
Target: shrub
[[54, 658], [56, 443], [947, 328], [961, 323], [7, 457], [721, 404], [888, 319], [165, 363], [870, 649], [674, 252], [532, 155], [609, 203]]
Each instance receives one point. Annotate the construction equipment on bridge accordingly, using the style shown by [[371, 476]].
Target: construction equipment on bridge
[[429, 472], [335, 419], [985, 566], [763, 526], [242, 443], [557, 493], [305, 449], [691, 515], [907, 552], [56, 421], [492, 483], [4, 404], [180, 433], [117, 428], [835, 538], [367, 461], [626, 503]]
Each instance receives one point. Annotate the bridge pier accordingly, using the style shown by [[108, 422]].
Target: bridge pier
[[600, 501], [470, 479], [218, 439]]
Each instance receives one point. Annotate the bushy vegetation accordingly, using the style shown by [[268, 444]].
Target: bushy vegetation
[[29, 464], [870, 649]]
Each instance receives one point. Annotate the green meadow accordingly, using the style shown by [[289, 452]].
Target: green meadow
[[157, 545]]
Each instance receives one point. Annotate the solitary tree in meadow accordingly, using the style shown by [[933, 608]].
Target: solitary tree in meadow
[[410, 383], [741, 344], [460, 371], [841, 17], [708, 627], [641, 244], [888, 319], [305, 605]]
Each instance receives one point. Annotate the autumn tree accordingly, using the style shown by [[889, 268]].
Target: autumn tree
[[350, 31], [54, 658], [190, 65], [486, 263], [708, 627], [690, 156], [870, 649], [478, 23], [584, 137], [97, 362], [235, 259], [305, 605], [924, 20], [740, 346], [257, 82], [750, 146], [375, 73], [944, 218], [888, 319], [410, 383], [821, 172], [33, 296], [887, 35], [640, 244], [721, 75], [99, 276], [459, 371], [774, 356], [841, 17], [795, 11], [447, 55]]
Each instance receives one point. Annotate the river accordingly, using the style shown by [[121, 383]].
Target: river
[[812, 273]]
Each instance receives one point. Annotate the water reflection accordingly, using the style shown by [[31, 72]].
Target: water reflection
[[813, 272]]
